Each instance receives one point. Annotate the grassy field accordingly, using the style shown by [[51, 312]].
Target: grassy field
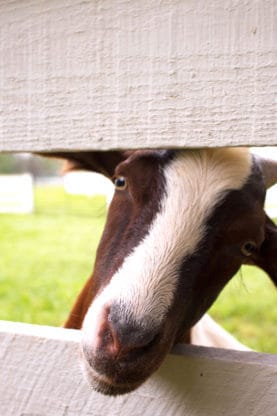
[[46, 257]]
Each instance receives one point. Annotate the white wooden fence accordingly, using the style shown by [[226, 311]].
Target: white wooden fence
[[41, 376], [16, 194], [84, 74], [137, 73]]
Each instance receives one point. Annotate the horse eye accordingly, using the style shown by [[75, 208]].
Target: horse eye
[[120, 183], [248, 248]]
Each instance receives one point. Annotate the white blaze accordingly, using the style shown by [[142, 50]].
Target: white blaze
[[146, 282]]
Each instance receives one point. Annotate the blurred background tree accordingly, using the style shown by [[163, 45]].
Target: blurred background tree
[[25, 162]]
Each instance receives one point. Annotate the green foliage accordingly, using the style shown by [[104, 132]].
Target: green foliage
[[7, 164], [23, 163], [46, 257]]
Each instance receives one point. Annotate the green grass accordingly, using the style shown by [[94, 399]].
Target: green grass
[[46, 257], [247, 309]]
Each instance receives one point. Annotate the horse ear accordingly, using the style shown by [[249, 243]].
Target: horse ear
[[101, 162], [266, 258]]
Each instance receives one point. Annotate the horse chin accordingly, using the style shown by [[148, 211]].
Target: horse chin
[[113, 389], [110, 386], [116, 378]]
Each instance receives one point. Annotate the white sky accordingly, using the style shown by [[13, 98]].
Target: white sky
[[270, 151]]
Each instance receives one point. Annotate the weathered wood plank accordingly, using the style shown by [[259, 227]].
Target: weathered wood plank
[[78, 74], [40, 375]]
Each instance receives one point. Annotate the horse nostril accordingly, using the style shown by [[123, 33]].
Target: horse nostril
[[127, 336]]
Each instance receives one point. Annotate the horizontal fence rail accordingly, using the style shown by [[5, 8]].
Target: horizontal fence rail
[[40, 375], [85, 75]]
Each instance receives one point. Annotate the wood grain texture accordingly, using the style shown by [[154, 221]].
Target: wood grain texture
[[40, 376], [82, 74]]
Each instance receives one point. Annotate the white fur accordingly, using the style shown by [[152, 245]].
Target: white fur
[[145, 284], [209, 334]]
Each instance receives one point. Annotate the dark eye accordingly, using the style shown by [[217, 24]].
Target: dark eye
[[120, 183], [248, 248]]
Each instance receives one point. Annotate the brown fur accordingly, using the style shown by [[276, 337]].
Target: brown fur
[[237, 219]]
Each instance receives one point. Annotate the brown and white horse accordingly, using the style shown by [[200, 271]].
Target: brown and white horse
[[180, 225]]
